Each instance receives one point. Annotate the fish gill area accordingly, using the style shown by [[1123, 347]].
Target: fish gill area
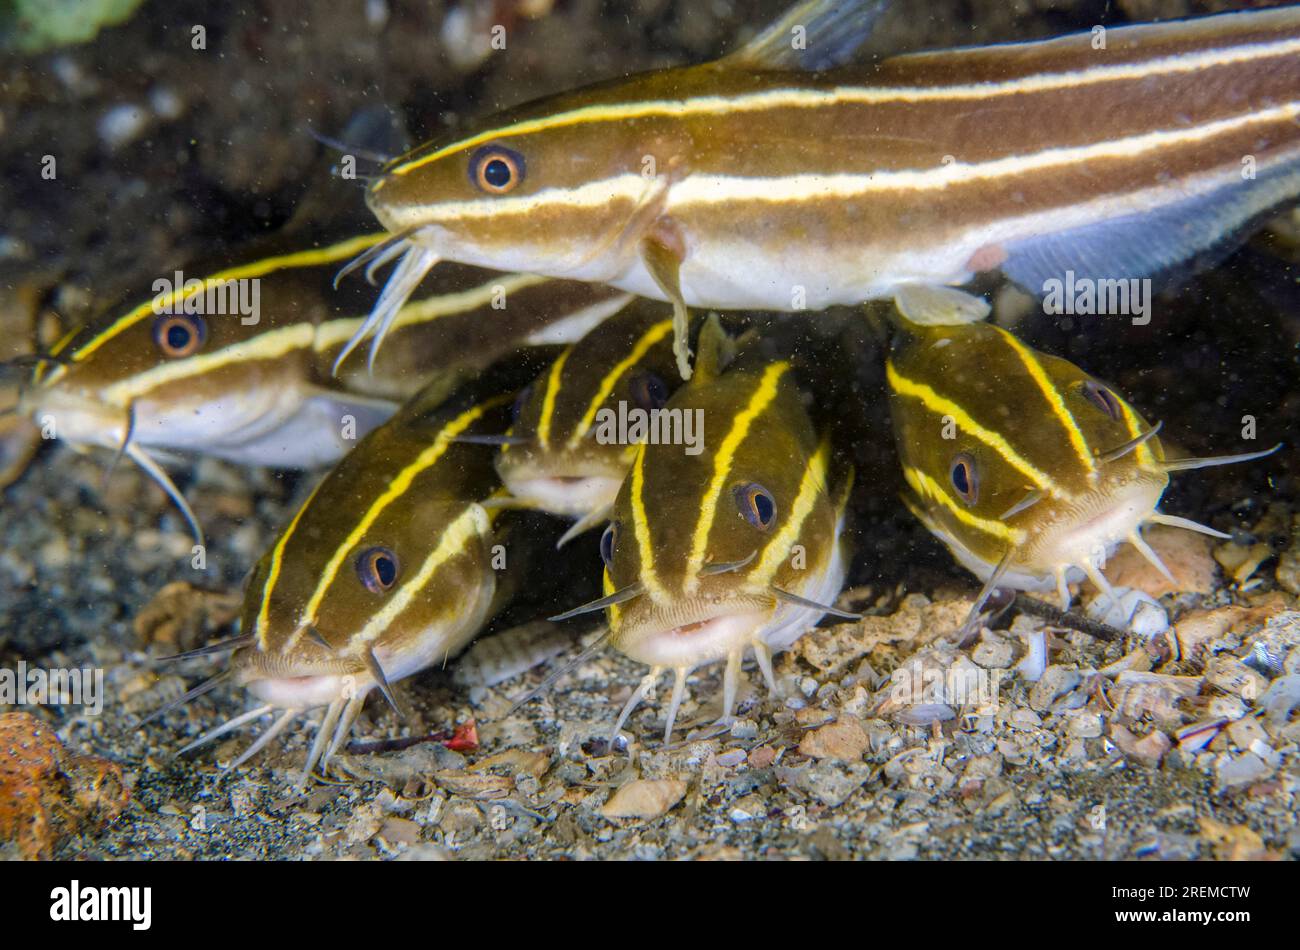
[[1178, 745]]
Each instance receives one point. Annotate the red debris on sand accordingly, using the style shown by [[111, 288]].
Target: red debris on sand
[[464, 738]]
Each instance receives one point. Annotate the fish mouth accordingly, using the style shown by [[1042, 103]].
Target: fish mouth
[[77, 416], [571, 495], [310, 691], [85, 417], [294, 681], [287, 697], [1089, 529], [693, 635]]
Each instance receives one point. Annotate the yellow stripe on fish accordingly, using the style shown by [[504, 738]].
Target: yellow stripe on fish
[[386, 569], [689, 182], [250, 381], [568, 448], [1030, 470], [736, 548]]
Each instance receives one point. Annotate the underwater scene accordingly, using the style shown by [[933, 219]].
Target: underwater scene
[[649, 429]]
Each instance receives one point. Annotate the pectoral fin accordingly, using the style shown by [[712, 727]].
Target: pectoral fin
[[664, 262], [503, 501], [932, 305], [716, 348]]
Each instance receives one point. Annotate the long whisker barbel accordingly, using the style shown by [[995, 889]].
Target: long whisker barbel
[[338, 145], [553, 678]]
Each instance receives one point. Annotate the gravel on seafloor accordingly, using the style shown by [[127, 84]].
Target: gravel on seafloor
[[1178, 746]]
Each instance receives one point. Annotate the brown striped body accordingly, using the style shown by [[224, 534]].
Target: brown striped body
[[1030, 470], [562, 458], [732, 186], [406, 488], [259, 389], [703, 552], [390, 566]]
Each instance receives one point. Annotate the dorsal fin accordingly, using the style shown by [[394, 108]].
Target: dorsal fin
[[812, 35], [715, 349]]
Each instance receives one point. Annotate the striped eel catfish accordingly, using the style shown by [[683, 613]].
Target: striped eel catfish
[[757, 182], [386, 569], [1029, 469], [739, 547], [256, 388], [558, 456]]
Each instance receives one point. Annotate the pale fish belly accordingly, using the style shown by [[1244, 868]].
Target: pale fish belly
[[311, 437], [790, 622], [285, 428], [731, 275]]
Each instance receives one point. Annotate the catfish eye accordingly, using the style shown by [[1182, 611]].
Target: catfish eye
[[607, 544], [1102, 398], [496, 169], [756, 504], [377, 567], [964, 479], [179, 334], [649, 392]]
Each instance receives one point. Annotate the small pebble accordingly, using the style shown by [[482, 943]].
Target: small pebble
[[845, 740], [644, 798]]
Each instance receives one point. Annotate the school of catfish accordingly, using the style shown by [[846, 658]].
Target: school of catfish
[[569, 331]]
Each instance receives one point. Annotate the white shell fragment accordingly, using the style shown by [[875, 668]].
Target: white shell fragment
[[1130, 610], [1034, 662], [1198, 735]]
